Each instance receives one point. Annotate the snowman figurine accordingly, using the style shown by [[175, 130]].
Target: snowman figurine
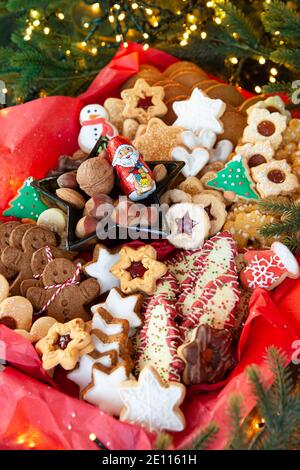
[[94, 124]]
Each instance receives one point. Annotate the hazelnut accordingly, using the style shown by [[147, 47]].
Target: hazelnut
[[72, 197], [96, 176], [86, 226], [67, 180], [79, 155], [98, 206], [159, 172]]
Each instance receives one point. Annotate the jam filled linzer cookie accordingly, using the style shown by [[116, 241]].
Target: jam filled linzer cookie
[[138, 269], [63, 296], [143, 102], [264, 126], [64, 345], [274, 178], [189, 225], [215, 210], [208, 355], [18, 255]]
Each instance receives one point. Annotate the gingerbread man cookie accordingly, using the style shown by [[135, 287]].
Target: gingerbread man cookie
[[22, 246], [63, 296], [5, 231]]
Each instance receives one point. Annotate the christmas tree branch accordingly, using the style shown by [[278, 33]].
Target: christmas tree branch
[[280, 17]]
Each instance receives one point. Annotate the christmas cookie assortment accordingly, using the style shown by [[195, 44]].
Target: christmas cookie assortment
[[135, 325]]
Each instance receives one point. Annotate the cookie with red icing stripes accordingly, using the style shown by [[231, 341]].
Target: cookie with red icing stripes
[[216, 262], [160, 337]]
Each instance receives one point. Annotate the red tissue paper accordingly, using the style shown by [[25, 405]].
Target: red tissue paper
[[38, 412]]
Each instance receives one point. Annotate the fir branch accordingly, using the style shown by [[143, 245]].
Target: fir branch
[[278, 87], [238, 440], [283, 384], [281, 17], [235, 21], [293, 243], [290, 58], [280, 206], [205, 438], [265, 407]]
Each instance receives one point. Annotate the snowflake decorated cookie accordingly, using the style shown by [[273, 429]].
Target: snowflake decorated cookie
[[151, 403], [268, 268], [274, 178], [234, 177], [264, 126]]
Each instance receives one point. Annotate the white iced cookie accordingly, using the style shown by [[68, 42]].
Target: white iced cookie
[[99, 268], [82, 375], [108, 324], [104, 389], [205, 138], [150, 403], [199, 112], [54, 219], [94, 124], [274, 104], [222, 151], [274, 178], [255, 154], [189, 225], [122, 306], [194, 161], [264, 126]]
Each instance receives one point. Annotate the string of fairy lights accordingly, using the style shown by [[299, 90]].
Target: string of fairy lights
[[137, 21]]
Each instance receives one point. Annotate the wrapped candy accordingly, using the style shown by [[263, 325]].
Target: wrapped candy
[[268, 268], [135, 177]]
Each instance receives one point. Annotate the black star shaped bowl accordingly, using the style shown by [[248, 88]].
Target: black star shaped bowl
[[114, 234]]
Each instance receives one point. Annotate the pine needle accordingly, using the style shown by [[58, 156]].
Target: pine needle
[[205, 438]]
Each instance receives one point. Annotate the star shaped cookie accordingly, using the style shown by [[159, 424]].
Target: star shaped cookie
[[104, 389], [199, 112], [99, 268], [150, 403], [138, 270], [143, 102], [82, 375], [122, 306], [158, 140]]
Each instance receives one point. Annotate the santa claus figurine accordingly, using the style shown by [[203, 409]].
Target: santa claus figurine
[[135, 177]]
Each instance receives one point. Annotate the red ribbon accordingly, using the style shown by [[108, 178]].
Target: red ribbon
[[107, 128]]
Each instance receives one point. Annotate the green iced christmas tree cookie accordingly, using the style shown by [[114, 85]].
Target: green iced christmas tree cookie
[[234, 178], [27, 204]]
